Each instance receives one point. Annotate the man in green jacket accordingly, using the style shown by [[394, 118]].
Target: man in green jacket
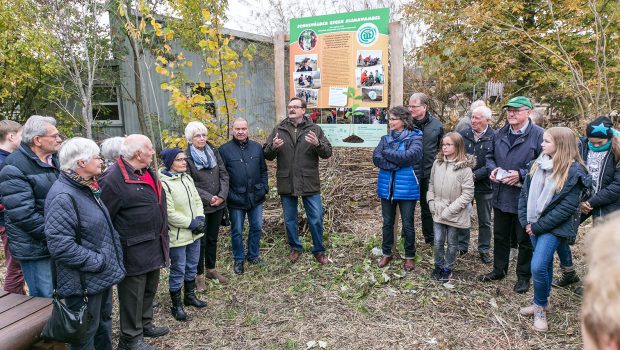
[[297, 143]]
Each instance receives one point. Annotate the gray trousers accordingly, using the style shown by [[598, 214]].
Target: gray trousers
[[135, 304], [484, 202]]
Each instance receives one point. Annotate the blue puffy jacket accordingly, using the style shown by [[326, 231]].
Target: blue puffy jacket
[[99, 256], [395, 158], [24, 183], [561, 216]]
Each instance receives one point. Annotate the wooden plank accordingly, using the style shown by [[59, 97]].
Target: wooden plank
[[23, 310], [397, 59], [25, 332], [12, 300], [278, 72], [3, 293]]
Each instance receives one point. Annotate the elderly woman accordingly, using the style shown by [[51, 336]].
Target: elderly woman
[[111, 150], [185, 228], [99, 256], [206, 167], [398, 185]]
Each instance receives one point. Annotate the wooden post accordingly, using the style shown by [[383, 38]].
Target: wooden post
[[279, 86], [396, 97], [397, 59]]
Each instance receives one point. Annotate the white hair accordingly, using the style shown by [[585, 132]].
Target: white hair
[[75, 149], [35, 126], [485, 111], [238, 120], [192, 128], [476, 104], [111, 147], [132, 144]]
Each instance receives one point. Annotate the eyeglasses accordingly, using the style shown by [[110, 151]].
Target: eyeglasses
[[514, 111], [97, 158], [54, 136], [198, 136], [447, 145], [295, 107], [180, 160], [414, 106]]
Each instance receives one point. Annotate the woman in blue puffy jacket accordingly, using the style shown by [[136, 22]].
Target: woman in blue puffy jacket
[[398, 185]]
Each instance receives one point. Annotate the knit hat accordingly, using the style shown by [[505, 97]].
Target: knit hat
[[601, 127], [168, 155]]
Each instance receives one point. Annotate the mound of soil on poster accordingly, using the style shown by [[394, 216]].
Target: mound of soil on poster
[[353, 139]]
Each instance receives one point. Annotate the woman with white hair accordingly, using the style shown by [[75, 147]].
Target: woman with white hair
[[206, 167], [85, 248], [111, 150]]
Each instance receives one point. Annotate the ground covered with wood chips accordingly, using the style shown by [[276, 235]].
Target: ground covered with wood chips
[[351, 303]]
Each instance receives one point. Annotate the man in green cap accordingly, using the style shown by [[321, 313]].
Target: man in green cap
[[515, 145]]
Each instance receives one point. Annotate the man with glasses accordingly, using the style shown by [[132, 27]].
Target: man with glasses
[[297, 143], [515, 145], [432, 133], [26, 177]]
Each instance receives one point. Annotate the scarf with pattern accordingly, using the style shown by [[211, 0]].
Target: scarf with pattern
[[91, 183]]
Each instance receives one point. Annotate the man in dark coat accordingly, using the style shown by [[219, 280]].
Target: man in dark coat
[[26, 177], [137, 205], [515, 145], [10, 139], [248, 185], [297, 143], [432, 133], [478, 142]]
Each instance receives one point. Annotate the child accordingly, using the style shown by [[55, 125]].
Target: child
[[450, 192], [549, 210]]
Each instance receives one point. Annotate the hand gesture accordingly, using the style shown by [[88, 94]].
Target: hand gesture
[[215, 201], [528, 229], [493, 174], [585, 207], [311, 138], [277, 142], [512, 179]]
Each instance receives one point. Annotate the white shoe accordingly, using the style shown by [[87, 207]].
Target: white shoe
[[530, 310], [540, 320]]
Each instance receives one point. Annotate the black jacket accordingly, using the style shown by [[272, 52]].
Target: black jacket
[[432, 133], [24, 183], [480, 149], [139, 215], [99, 256], [209, 182], [561, 216], [607, 198], [247, 173]]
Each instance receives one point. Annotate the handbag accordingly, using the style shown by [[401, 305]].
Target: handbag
[[66, 325]]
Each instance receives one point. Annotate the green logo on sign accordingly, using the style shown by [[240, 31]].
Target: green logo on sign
[[367, 34]]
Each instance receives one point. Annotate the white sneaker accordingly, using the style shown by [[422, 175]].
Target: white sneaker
[[540, 320], [530, 310]]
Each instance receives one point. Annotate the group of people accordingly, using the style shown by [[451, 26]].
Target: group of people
[[305, 82], [370, 79], [133, 220], [538, 185], [77, 218]]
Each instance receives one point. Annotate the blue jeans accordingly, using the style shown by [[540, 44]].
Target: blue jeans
[[183, 264], [38, 276], [388, 211], [564, 254], [445, 258], [314, 212], [545, 246], [255, 221], [99, 334]]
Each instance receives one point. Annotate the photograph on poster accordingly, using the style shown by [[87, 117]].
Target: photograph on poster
[[368, 58], [308, 80], [311, 96], [371, 76], [307, 40], [306, 63], [372, 94]]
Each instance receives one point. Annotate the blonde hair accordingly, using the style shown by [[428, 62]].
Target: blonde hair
[[566, 152], [459, 146], [600, 309]]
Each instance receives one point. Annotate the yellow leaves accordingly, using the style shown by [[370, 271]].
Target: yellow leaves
[[206, 15], [202, 44], [142, 25], [212, 61], [161, 70], [188, 63], [162, 60]]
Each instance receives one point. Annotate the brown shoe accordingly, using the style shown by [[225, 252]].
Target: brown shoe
[[409, 264], [215, 275], [321, 258], [384, 261], [294, 255], [200, 283]]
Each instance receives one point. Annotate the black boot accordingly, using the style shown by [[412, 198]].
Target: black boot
[[568, 278], [177, 308], [190, 295]]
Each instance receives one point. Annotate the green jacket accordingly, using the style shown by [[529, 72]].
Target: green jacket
[[183, 205], [298, 161]]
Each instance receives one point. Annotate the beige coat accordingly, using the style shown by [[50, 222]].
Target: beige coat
[[451, 191]]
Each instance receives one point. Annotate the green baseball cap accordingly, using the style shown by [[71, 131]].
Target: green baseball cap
[[519, 101]]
